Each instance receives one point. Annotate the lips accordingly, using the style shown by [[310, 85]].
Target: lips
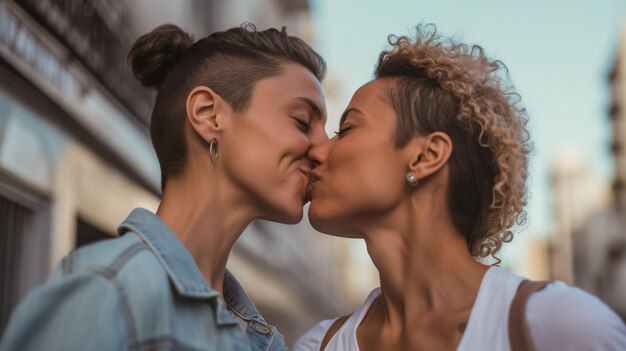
[[313, 176], [306, 173]]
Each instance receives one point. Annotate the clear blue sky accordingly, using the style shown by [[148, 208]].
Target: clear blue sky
[[559, 54]]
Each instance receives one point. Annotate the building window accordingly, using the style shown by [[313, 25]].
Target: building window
[[24, 242], [14, 222]]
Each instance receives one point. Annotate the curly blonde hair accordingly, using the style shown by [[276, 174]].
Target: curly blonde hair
[[439, 84]]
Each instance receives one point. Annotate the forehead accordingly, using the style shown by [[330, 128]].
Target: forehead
[[294, 83], [369, 98]]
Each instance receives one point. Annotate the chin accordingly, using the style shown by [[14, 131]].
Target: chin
[[293, 218], [288, 214], [316, 223], [320, 222], [329, 223], [326, 227], [315, 217]]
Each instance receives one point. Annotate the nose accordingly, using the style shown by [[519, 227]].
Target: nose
[[318, 152]]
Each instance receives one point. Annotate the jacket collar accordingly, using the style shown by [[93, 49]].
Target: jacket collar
[[238, 301], [181, 268]]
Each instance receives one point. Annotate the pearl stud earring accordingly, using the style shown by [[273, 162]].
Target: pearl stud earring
[[412, 179]]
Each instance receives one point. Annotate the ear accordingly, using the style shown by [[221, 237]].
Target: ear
[[429, 154], [206, 112]]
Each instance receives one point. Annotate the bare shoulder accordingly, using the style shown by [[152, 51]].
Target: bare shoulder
[[560, 315]]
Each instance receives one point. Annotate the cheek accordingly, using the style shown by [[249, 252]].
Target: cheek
[[264, 165], [264, 150], [365, 182], [247, 157], [373, 189], [241, 158]]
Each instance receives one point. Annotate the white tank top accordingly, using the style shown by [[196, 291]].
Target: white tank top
[[559, 318], [345, 338]]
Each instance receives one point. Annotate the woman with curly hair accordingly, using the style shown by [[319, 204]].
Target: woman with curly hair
[[429, 167]]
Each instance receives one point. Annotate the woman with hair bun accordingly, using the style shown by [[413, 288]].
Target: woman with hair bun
[[429, 167], [234, 117]]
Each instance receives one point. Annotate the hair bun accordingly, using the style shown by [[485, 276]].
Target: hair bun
[[154, 53]]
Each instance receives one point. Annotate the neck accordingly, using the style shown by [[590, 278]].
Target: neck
[[423, 262], [202, 211]]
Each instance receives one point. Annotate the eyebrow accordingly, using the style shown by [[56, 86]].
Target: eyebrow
[[345, 114], [312, 105]]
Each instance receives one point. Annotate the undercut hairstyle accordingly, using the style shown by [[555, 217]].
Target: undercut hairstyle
[[229, 62], [438, 84]]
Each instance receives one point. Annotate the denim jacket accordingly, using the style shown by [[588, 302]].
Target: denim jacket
[[141, 291]]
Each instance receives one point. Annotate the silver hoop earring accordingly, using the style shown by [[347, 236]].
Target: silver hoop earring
[[412, 179], [213, 151]]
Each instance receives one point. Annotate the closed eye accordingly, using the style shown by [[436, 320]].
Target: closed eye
[[341, 133], [302, 124]]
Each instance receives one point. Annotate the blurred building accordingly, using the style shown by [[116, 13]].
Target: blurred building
[[76, 158], [589, 246], [577, 197]]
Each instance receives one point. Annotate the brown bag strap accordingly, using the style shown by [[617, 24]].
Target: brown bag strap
[[519, 333], [337, 324]]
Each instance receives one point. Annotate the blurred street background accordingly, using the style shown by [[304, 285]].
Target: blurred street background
[[76, 158]]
